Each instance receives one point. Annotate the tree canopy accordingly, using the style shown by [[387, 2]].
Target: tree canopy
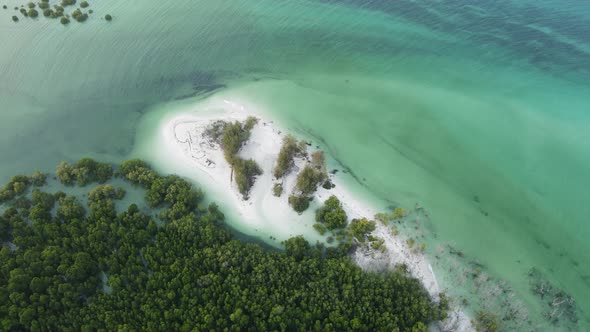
[[232, 136], [306, 184], [85, 171], [332, 214], [71, 263], [309, 179], [359, 228], [289, 150]]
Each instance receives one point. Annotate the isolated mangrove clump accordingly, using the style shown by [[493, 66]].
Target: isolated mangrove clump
[[289, 150], [306, 185], [65, 3], [307, 182], [332, 215], [79, 16], [309, 179], [299, 203], [232, 136], [360, 228], [328, 184], [277, 189], [33, 13], [245, 173]]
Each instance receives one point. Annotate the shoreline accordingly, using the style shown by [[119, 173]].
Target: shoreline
[[184, 142]]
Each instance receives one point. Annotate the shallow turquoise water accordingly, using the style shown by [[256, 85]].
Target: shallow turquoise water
[[476, 110]]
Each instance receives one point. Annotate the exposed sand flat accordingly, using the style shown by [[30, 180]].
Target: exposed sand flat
[[185, 142]]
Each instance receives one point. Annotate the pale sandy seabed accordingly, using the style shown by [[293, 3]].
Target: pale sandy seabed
[[181, 143]]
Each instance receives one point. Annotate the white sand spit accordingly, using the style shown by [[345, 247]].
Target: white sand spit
[[184, 140]]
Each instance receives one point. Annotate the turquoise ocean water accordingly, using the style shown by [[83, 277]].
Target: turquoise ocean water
[[477, 110]]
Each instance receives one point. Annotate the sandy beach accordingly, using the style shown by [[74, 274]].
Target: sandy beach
[[184, 141]]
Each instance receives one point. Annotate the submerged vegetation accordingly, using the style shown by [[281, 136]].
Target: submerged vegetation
[[75, 264], [486, 321], [560, 307], [396, 215]]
